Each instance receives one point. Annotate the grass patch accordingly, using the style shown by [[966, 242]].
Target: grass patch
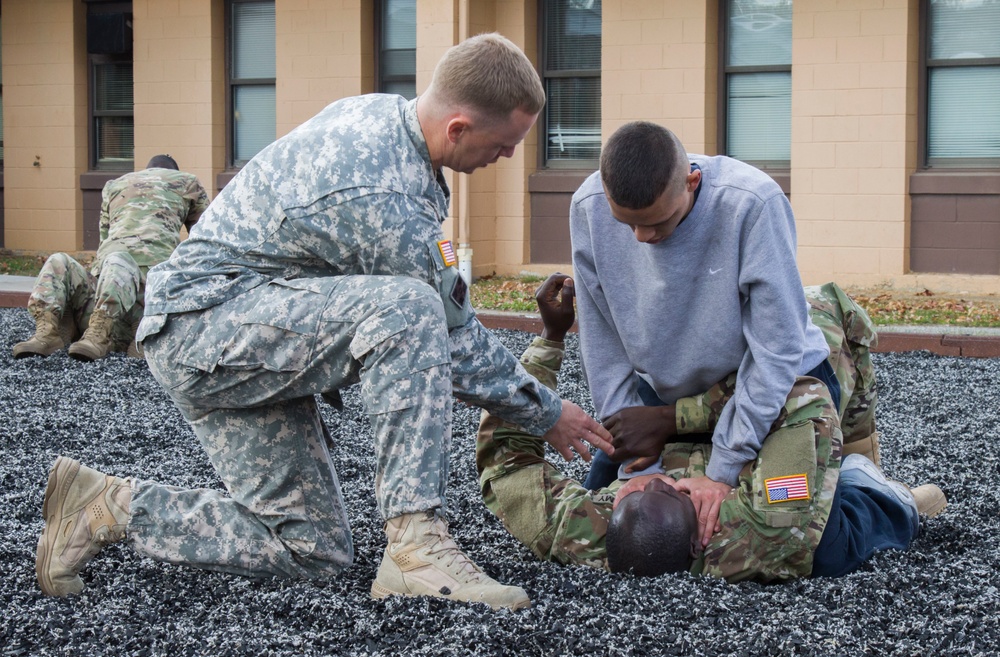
[[517, 294]]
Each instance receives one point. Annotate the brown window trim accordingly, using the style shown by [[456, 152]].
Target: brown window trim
[[954, 182]]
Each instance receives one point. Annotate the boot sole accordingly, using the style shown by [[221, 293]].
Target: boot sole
[[83, 354], [61, 476], [379, 592]]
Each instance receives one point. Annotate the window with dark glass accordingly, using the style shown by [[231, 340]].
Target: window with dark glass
[[571, 71], [109, 56], [757, 83], [252, 114], [397, 47], [963, 83]]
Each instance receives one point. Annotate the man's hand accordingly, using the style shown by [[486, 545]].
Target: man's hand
[[573, 428], [707, 495], [556, 309], [637, 484], [640, 432]]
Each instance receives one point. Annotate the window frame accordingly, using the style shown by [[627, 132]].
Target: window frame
[[926, 65], [380, 79], [233, 83], [779, 170], [545, 74], [93, 114]]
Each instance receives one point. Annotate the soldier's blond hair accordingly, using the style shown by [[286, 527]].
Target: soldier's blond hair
[[489, 75]]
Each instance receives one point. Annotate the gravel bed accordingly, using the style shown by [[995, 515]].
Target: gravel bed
[[939, 421]]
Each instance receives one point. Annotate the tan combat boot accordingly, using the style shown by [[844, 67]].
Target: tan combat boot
[[930, 499], [422, 559], [867, 447], [84, 510], [96, 341], [47, 339]]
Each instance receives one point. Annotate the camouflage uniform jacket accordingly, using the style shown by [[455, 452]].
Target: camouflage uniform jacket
[[763, 538], [351, 192], [850, 334], [142, 214]]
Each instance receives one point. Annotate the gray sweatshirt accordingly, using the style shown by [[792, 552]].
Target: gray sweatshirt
[[721, 294]]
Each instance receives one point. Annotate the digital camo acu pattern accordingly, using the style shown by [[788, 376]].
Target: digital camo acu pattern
[[850, 334], [318, 266], [561, 521], [65, 286], [142, 214]]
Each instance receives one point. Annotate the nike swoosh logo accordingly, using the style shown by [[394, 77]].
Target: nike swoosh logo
[[713, 272]]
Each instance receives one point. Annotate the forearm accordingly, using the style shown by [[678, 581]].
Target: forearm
[[486, 374]]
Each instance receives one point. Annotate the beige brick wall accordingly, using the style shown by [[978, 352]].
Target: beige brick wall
[[179, 84], [854, 79], [45, 118], [659, 64], [324, 52]]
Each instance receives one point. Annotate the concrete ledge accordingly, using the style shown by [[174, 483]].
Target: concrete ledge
[[943, 344], [10, 299], [889, 340]]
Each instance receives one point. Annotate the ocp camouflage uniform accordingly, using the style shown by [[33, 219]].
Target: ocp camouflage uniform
[[560, 520], [320, 265], [141, 217], [850, 334]]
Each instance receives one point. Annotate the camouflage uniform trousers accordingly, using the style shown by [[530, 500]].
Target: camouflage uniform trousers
[[64, 285], [255, 414], [560, 520]]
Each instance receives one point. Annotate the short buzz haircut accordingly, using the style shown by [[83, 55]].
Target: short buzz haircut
[[642, 544], [641, 161], [162, 162], [488, 75]]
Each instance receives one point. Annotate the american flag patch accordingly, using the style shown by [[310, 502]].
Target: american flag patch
[[447, 252], [787, 489]]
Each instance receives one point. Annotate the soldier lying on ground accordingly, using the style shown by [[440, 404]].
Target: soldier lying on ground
[[141, 218], [797, 511]]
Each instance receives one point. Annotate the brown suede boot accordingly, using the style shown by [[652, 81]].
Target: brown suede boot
[[96, 341], [84, 510], [47, 339], [422, 559]]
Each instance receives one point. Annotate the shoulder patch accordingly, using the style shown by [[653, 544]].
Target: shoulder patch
[[447, 253], [787, 489]]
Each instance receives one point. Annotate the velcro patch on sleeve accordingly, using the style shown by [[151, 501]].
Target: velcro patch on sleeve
[[447, 253], [787, 489]]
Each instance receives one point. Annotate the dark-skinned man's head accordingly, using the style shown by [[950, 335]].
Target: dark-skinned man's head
[[652, 532], [162, 162]]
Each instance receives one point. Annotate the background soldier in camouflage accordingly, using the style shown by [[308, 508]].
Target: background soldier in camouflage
[[322, 264], [761, 536], [141, 218]]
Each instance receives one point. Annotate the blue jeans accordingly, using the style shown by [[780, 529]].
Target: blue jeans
[[862, 521]]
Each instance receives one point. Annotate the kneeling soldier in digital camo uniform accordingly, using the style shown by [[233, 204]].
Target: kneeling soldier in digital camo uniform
[[798, 511]]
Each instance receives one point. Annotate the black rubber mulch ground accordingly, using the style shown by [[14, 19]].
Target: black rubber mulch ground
[[939, 420]]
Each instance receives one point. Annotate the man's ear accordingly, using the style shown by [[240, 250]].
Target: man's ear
[[456, 128], [693, 179]]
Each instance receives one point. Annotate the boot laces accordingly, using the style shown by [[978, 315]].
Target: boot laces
[[442, 546]]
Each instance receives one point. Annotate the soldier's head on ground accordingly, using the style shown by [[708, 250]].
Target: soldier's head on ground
[[162, 162], [653, 531], [648, 179], [483, 99]]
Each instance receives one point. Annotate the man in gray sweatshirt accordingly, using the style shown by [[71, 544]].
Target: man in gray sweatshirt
[[685, 271]]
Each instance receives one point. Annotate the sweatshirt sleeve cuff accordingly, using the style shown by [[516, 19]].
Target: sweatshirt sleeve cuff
[[723, 468]]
